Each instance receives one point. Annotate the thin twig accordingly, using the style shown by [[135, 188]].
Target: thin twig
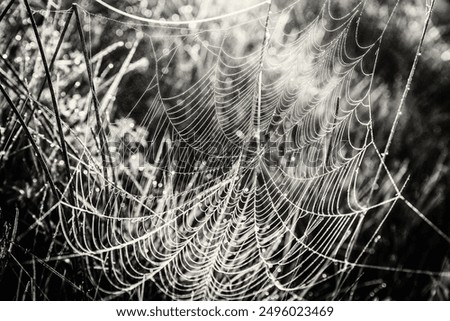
[[32, 142], [52, 90], [104, 148], [403, 99], [56, 52], [8, 6], [261, 62]]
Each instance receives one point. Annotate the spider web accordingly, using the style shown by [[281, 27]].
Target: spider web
[[242, 185]]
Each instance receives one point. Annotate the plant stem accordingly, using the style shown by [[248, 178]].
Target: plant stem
[[52, 90]]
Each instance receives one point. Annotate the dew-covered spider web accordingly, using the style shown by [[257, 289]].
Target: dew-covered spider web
[[236, 173]]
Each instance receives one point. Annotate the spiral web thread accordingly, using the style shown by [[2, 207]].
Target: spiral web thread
[[243, 185]]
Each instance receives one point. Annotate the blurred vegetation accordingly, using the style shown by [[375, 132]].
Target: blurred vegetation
[[420, 149]]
